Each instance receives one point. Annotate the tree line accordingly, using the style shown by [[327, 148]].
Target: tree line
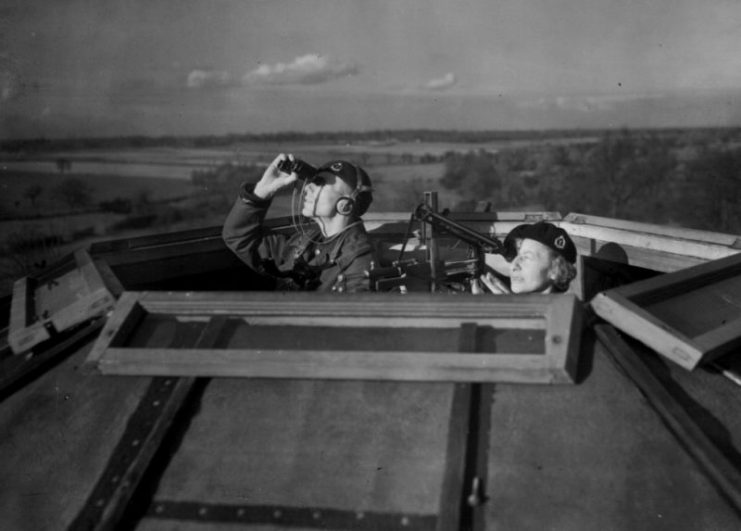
[[29, 145], [636, 175]]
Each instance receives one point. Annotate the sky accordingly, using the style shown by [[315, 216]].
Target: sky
[[72, 68]]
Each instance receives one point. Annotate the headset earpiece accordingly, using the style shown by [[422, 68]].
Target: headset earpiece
[[345, 206]]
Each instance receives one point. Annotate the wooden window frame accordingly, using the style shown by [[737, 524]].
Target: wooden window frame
[[559, 316], [624, 308], [91, 294]]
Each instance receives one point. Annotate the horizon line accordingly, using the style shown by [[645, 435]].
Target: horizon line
[[268, 136]]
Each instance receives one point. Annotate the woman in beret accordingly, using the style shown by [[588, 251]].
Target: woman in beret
[[539, 258]]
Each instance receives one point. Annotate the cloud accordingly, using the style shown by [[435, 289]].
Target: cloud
[[207, 78], [310, 69], [441, 83]]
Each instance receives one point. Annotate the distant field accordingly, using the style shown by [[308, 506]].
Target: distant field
[[162, 173], [178, 162], [320, 151], [165, 172], [103, 168], [13, 185], [23, 223]]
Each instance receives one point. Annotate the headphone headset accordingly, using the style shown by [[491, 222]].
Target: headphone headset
[[355, 203], [345, 206]]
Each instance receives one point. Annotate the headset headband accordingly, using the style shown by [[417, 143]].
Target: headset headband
[[360, 187], [336, 169]]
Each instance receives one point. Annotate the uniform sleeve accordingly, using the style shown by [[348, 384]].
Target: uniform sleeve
[[244, 234]]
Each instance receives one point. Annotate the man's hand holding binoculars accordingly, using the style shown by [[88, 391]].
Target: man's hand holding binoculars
[[273, 179]]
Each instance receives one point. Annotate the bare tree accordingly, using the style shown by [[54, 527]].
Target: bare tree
[[624, 172], [32, 193], [64, 165], [715, 190], [76, 193]]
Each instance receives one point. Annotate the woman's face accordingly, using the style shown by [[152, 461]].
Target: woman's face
[[531, 267]]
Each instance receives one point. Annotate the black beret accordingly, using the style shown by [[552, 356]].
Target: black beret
[[546, 233]]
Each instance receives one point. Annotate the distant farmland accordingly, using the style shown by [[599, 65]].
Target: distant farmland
[[14, 184], [156, 184], [165, 171], [678, 177]]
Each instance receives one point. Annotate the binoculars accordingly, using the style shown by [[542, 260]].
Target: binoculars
[[304, 170]]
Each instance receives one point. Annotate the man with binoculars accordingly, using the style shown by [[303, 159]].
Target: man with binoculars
[[332, 255]]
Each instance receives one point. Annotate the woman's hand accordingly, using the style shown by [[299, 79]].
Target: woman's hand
[[493, 284]]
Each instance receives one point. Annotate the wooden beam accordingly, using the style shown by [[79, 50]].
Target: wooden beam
[[643, 257], [564, 328], [638, 323], [336, 365], [467, 337], [303, 304], [666, 286], [657, 243], [126, 316], [679, 233], [109, 278]]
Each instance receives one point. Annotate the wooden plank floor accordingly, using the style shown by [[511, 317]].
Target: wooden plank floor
[[594, 456], [56, 436], [373, 447], [590, 456]]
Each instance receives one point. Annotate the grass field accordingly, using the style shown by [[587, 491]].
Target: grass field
[[14, 184]]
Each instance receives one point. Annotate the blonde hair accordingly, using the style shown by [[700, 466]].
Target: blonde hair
[[561, 272]]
